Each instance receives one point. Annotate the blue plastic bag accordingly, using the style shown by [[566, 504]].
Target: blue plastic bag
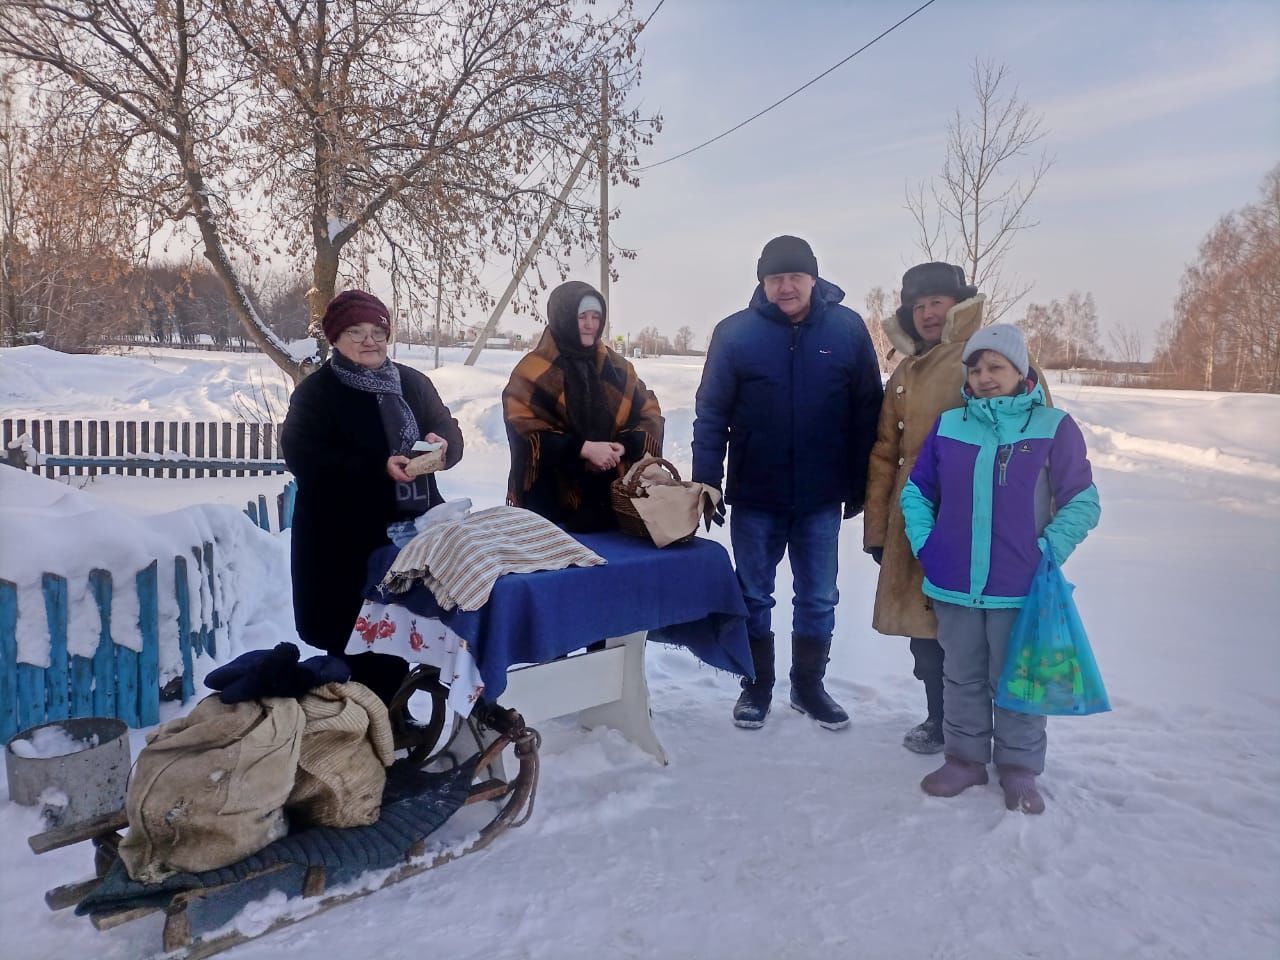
[[1049, 667]]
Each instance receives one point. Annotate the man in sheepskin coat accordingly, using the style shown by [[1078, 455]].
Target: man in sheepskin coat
[[939, 312]]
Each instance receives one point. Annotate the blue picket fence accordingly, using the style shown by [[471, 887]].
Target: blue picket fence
[[257, 512], [116, 681]]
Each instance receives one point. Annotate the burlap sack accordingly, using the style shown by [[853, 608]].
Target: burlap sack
[[346, 748], [209, 788]]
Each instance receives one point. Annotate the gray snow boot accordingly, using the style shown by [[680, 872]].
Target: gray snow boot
[[809, 657], [753, 703]]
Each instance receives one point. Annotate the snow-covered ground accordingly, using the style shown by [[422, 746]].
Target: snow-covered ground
[[1162, 835]]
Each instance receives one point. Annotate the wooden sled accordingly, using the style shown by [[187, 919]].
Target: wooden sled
[[192, 914]]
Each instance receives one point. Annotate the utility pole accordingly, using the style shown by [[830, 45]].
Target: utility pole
[[604, 181], [528, 258], [435, 337]]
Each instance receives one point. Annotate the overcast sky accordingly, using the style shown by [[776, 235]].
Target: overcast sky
[[1161, 117]]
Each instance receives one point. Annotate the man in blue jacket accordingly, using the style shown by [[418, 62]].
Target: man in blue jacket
[[792, 389]]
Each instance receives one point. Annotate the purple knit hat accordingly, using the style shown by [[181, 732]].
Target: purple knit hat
[[350, 308]]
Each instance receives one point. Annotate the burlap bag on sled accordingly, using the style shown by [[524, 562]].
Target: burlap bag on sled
[[346, 747], [209, 788]]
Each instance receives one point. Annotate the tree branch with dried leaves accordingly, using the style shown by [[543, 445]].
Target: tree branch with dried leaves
[[315, 129]]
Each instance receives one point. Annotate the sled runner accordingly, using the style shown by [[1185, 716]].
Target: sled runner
[[320, 866]]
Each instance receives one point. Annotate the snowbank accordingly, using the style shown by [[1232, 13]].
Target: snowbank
[[69, 533]]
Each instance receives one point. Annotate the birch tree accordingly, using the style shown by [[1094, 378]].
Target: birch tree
[[1225, 329]]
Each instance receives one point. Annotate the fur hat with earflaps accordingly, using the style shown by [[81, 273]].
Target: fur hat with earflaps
[[935, 279]]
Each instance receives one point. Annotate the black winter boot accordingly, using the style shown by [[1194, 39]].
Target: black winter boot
[[808, 666], [927, 737], [753, 703]]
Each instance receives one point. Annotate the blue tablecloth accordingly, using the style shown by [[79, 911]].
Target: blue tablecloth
[[684, 594]]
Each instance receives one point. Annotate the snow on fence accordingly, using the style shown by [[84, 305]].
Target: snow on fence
[[117, 681], [149, 448]]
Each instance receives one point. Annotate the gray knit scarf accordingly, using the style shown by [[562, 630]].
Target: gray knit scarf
[[398, 421]]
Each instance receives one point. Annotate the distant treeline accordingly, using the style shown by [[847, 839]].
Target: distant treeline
[[1225, 330]]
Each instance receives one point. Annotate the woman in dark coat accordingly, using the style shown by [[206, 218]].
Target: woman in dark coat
[[347, 438], [577, 416]]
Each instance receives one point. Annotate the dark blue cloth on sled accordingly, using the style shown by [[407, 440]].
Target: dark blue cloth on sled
[[685, 594], [415, 803]]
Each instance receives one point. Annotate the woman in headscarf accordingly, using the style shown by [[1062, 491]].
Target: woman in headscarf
[[347, 438], [577, 416]]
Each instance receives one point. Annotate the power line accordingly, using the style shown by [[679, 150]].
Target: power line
[[778, 103]]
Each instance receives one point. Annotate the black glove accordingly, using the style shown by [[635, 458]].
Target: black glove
[[852, 508], [716, 517], [274, 673], [877, 554]]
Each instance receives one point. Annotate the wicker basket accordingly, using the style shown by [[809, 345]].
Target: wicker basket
[[624, 489]]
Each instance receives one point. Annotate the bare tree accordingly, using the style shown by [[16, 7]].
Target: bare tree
[[13, 153], [285, 306], [1062, 333], [684, 340], [1126, 343], [1042, 325], [65, 270], [651, 342], [972, 212], [338, 135]]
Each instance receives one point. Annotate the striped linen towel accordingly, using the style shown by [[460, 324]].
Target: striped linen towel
[[460, 562]]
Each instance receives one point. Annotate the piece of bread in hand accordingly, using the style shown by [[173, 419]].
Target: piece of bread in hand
[[425, 463]]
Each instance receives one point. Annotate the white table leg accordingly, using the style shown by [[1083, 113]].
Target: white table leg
[[603, 687], [630, 713]]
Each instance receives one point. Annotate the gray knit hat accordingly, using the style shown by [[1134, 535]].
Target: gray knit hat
[[1005, 339]]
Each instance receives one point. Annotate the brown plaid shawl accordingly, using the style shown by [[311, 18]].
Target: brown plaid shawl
[[534, 403]]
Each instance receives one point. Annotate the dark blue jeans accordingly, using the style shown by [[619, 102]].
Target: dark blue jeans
[[759, 538]]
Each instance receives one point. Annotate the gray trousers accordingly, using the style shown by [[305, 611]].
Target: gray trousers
[[974, 641]]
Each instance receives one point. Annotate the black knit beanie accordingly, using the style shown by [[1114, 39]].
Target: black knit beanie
[[786, 255]]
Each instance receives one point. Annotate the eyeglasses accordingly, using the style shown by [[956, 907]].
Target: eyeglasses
[[378, 334]]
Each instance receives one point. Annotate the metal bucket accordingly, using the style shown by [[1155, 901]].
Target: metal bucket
[[77, 786]]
